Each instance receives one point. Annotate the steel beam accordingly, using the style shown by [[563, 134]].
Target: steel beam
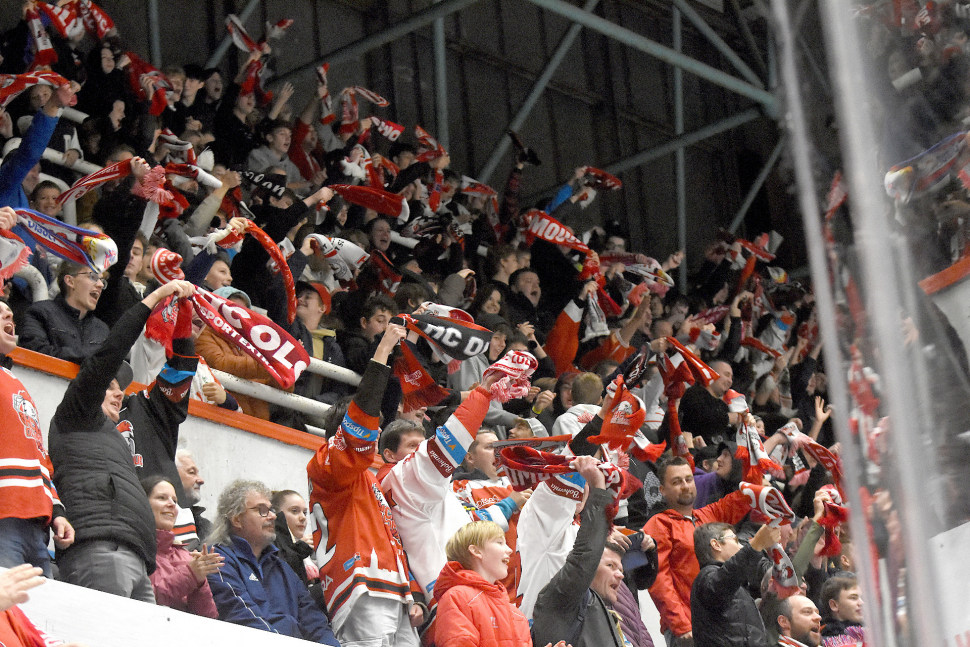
[[718, 43], [661, 52], [440, 81], [688, 139], [226, 43], [749, 37], [360, 47], [758, 183], [680, 172], [812, 63], [154, 38], [530, 101]]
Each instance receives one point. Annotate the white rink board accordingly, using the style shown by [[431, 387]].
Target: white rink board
[[952, 561], [223, 453], [75, 614]]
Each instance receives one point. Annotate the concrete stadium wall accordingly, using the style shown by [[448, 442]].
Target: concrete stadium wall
[[227, 445]]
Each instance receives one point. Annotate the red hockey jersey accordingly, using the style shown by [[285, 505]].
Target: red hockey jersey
[[26, 490], [358, 548]]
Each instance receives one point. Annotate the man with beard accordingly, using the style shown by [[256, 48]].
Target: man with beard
[[192, 483], [673, 532], [795, 620]]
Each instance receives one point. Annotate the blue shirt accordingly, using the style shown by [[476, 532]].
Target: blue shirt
[[265, 593]]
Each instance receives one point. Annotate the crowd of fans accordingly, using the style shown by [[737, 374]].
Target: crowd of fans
[[420, 524]]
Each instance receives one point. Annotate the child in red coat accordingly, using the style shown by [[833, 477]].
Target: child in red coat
[[473, 607]]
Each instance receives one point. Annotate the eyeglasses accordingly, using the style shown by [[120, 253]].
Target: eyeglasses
[[724, 537], [264, 510], [93, 276]]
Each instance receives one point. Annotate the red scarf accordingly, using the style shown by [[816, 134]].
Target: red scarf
[[547, 228], [428, 146], [417, 385], [834, 516], [11, 85], [527, 467], [623, 419], [388, 277], [159, 98], [44, 54], [371, 197], [274, 348]]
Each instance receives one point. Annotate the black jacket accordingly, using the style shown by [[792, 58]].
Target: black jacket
[[567, 609], [723, 614], [291, 552], [95, 465], [56, 329]]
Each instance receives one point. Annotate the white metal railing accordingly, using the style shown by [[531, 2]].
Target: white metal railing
[[36, 281], [74, 115], [55, 157], [334, 372]]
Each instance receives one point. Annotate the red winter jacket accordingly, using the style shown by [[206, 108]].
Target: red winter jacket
[[476, 613], [175, 584], [674, 534]]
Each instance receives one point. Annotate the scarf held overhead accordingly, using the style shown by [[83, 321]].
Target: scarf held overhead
[[274, 348], [89, 248]]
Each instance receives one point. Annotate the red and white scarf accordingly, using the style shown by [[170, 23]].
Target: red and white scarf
[[527, 467], [799, 440], [74, 17], [11, 85], [750, 451], [769, 503], [115, 171], [274, 348], [428, 146], [350, 109], [343, 256], [96, 21], [40, 42], [515, 367]]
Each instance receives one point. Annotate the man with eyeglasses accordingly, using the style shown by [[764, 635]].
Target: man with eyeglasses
[[64, 327], [255, 587], [723, 613]]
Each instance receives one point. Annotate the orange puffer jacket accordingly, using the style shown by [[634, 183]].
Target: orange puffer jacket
[[476, 613]]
